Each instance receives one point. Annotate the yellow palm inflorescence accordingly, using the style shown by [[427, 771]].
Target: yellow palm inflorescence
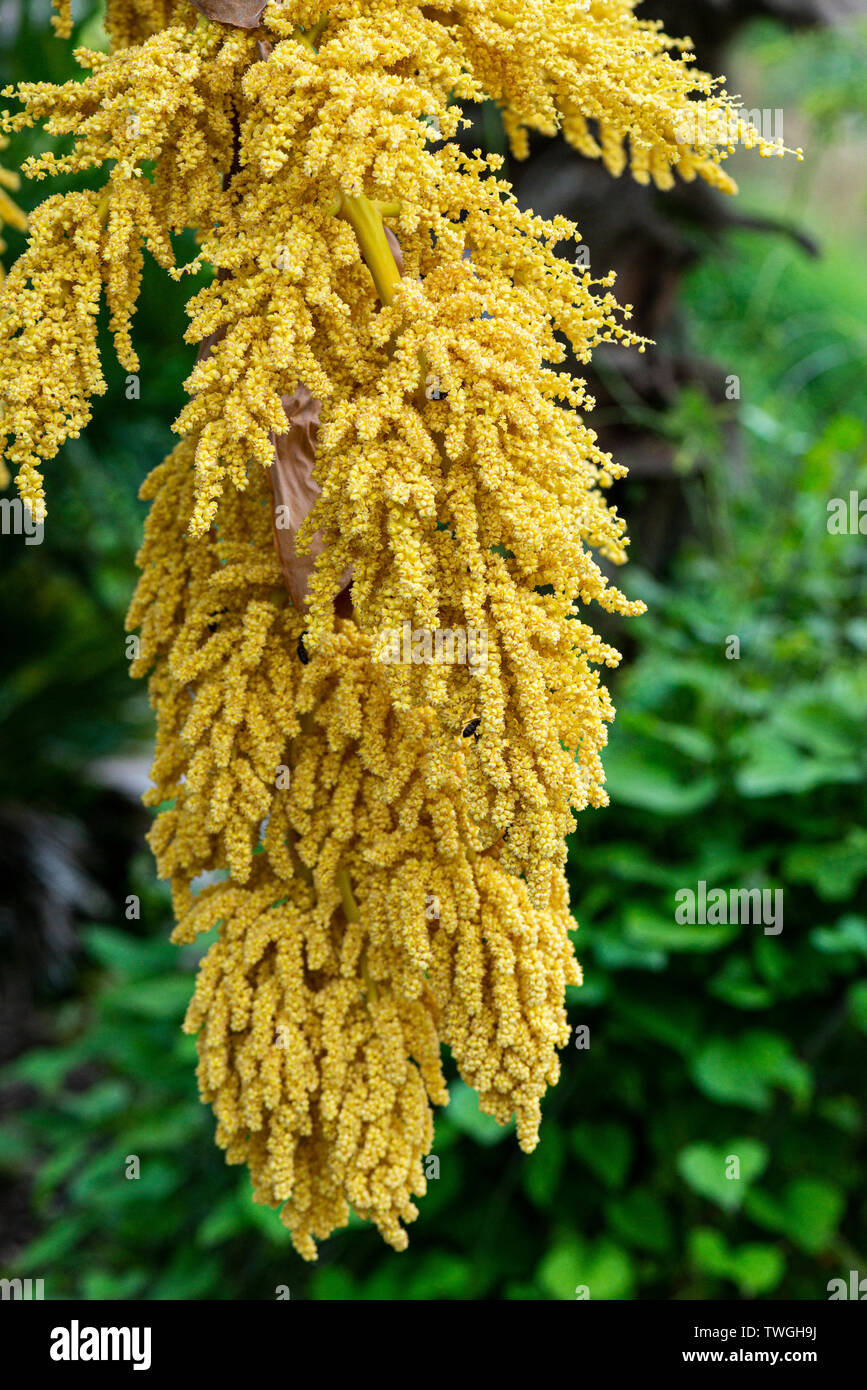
[[380, 838], [10, 216]]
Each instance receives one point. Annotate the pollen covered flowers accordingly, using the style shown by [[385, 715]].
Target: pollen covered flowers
[[381, 435]]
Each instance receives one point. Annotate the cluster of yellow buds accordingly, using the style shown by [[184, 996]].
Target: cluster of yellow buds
[[379, 439], [10, 216]]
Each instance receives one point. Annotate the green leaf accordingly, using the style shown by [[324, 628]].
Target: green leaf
[[440, 1274], [557, 1272], [168, 1129], [654, 787], [705, 1168], [224, 1220], [757, 1269], [628, 863], [842, 1111], [266, 1219], [858, 1005], [754, 1268], [465, 1115], [816, 725], [45, 1068], [48, 1249], [808, 1212], [677, 1024], [650, 930], [833, 869], [736, 985], [608, 1271], [615, 954], [774, 766], [709, 1252], [102, 1284], [813, 1208], [640, 1218], [58, 1166], [605, 1148], [742, 1070], [189, 1276], [849, 934], [331, 1283], [724, 1073], [103, 1184], [99, 1102], [543, 1169], [128, 955], [156, 999]]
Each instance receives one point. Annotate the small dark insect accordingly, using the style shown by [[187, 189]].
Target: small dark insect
[[471, 728], [215, 619], [302, 651]]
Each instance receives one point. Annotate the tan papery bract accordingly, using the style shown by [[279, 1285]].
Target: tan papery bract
[[241, 14]]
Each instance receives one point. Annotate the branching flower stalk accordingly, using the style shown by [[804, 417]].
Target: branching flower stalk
[[380, 843]]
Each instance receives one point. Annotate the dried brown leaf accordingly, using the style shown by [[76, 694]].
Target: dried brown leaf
[[295, 490], [242, 14]]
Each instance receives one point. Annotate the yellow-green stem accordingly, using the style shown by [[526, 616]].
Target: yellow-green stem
[[350, 906], [369, 228], [365, 218]]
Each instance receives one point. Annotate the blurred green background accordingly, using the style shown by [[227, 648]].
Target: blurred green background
[[704, 1041]]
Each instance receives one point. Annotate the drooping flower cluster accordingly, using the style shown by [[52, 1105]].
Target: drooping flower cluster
[[359, 928], [381, 841], [10, 216]]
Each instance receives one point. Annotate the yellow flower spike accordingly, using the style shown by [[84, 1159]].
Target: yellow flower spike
[[374, 787], [62, 20]]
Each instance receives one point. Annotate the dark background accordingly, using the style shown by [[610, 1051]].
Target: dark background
[[704, 1041]]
